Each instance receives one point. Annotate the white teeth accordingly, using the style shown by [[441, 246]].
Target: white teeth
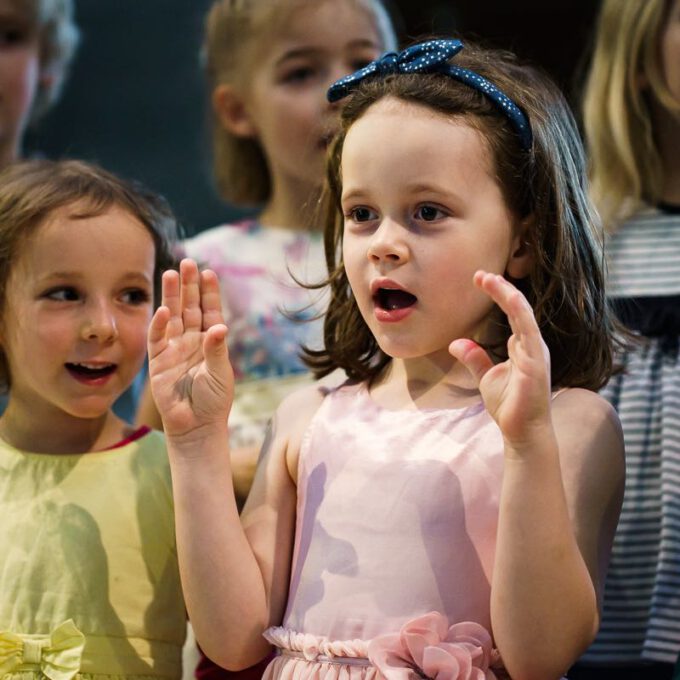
[[92, 367]]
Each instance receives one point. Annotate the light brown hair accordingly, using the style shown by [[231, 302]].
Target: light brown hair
[[30, 191], [234, 31]]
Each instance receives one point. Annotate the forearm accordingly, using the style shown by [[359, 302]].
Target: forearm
[[222, 582], [543, 605]]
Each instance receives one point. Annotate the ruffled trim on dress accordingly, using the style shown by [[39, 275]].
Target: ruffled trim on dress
[[425, 647], [303, 656]]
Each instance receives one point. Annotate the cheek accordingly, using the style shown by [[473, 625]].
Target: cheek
[[133, 332], [353, 256], [19, 72], [300, 112]]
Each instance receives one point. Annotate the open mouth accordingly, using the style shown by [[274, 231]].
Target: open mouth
[[90, 371], [391, 299]]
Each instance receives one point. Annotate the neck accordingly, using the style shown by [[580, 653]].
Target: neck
[[58, 432], [292, 205], [435, 381], [667, 133]]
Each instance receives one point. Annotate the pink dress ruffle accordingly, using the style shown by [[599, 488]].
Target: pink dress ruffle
[[425, 647], [312, 657]]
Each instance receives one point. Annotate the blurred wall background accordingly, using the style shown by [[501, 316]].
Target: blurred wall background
[[135, 101]]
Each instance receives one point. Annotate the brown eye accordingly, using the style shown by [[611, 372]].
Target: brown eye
[[362, 214], [429, 213]]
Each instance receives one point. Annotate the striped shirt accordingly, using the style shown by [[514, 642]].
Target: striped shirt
[[641, 613]]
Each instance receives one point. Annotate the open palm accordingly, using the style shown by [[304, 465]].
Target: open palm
[[190, 375]]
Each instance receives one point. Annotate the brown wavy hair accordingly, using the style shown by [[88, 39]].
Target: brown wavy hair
[[547, 183], [30, 191]]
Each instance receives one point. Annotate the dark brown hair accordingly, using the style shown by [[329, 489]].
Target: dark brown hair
[[31, 191], [546, 184]]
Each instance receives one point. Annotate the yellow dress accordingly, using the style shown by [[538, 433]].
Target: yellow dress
[[89, 582]]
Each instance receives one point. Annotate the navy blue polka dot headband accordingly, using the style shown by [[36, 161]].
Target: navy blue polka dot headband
[[432, 57]]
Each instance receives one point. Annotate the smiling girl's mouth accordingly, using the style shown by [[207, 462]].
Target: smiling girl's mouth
[[88, 372]]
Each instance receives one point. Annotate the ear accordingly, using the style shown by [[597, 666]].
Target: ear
[[230, 109], [521, 258]]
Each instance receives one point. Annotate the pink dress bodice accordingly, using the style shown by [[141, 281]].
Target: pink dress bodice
[[396, 518]]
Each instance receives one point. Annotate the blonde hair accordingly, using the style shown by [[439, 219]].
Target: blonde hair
[[232, 29], [54, 24], [625, 165]]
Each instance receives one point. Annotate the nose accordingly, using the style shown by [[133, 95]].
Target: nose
[[99, 322], [388, 244]]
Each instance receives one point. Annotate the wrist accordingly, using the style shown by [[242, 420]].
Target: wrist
[[199, 442], [538, 439]]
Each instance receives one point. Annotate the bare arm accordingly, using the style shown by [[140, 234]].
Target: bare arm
[[561, 496], [235, 581], [557, 520]]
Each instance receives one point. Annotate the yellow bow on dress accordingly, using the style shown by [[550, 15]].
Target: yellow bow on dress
[[56, 655]]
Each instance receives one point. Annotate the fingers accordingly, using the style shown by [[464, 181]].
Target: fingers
[[211, 300], [472, 356], [172, 302], [217, 355], [156, 339], [192, 298], [190, 295], [516, 307]]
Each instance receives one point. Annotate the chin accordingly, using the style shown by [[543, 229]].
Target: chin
[[398, 350], [91, 410]]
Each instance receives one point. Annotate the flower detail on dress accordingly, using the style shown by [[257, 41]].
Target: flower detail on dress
[[428, 647]]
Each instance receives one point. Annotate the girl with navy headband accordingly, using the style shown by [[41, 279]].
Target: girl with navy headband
[[449, 510]]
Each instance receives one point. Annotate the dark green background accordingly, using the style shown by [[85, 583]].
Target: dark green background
[[135, 101]]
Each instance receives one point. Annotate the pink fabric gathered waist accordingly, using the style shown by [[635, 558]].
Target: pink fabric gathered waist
[[425, 647]]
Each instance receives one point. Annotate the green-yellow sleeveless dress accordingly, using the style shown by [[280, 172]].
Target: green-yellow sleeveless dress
[[89, 582]]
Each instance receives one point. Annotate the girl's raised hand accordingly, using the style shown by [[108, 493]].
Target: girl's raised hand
[[516, 392], [191, 379]]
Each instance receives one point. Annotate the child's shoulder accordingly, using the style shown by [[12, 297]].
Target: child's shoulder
[[590, 407], [295, 414], [305, 401], [589, 432]]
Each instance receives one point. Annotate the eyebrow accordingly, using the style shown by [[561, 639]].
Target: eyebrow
[[300, 52], [139, 276], [360, 193], [353, 194]]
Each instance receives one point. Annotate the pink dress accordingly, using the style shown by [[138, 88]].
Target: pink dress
[[396, 530]]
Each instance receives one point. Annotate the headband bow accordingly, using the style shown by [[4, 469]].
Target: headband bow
[[433, 56]]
